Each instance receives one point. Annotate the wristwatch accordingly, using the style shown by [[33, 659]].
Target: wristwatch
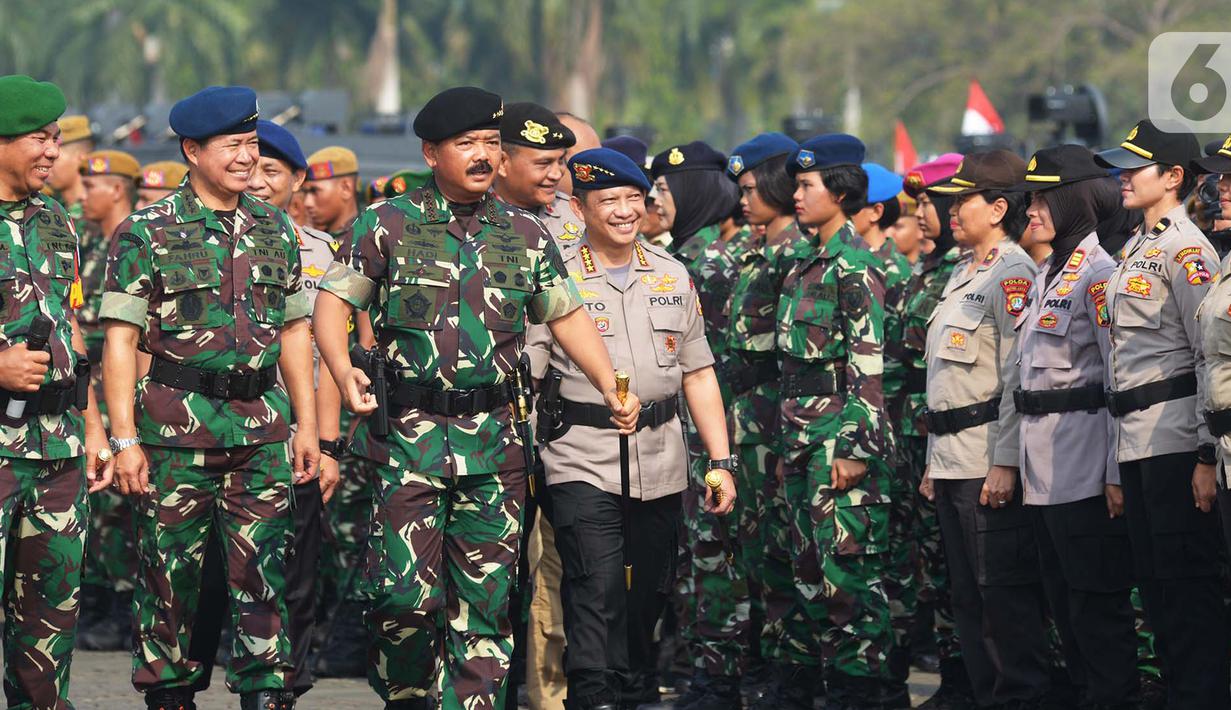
[[1205, 454], [730, 463], [118, 445], [334, 448]]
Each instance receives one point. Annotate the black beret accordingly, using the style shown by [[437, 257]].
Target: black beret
[[533, 126], [215, 111], [457, 110], [692, 156]]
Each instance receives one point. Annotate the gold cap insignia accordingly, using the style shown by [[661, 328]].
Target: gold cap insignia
[[535, 132], [675, 157], [1132, 134], [1034, 163]]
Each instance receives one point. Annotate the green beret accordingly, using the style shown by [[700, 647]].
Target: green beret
[[27, 105]]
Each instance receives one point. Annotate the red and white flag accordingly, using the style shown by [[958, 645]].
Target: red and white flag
[[904, 155], [980, 118]]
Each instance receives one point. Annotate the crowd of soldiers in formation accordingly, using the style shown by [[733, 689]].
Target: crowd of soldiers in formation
[[760, 429]]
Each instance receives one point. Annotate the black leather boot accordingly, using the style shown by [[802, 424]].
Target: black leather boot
[[267, 700], [169, 699]]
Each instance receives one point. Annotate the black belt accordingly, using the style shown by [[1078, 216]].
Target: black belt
[[916, 381], [1075, 399], [653, 414], [742, 376], [450, 403], [951, 421], [813, 383], [1147, 395], [1218, 421], [216, 385], [51, 399]]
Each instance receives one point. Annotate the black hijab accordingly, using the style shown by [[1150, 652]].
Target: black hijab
[[1074, 217], [1115, 224], [943, 241], [702, 198]]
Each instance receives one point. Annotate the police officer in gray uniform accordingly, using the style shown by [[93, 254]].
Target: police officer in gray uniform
[[1165, 450], [972, 438], [1068, 466]]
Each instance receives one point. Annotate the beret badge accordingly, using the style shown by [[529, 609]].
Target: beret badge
[[806, 159], [735, 164], [675, 157], [535, 132]]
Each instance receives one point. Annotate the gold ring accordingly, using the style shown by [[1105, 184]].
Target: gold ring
[[104, 455]]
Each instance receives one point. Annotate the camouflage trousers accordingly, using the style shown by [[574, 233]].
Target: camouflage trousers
[[245, 491], [720, 579], [766, 529], [111, 559], [442, 562], [839, 544], [902, 574], [349, 516], [42, 525], [931, 570]]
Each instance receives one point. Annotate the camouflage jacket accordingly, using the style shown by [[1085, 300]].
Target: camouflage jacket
[[93, 271], [714, 273], [210, 300], [924, 292], [896, 272], [831, 319], [692, 248], [449, 297], [38, 272], [752, 333]]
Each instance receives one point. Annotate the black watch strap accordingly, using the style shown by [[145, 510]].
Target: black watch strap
[[334, 448], [1206, 454], [730, 463]]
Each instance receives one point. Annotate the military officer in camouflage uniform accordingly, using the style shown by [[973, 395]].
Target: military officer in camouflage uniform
[[65, 184], [1158, 396], [766, 190], [158, 180], [831, 351], [534, 142], [923, 293], [642, 302], [972, 442], [59, 435], [451, 275], [209, 282], [109, 177]]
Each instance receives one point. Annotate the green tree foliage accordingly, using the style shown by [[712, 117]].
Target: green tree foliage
[[716, 69]]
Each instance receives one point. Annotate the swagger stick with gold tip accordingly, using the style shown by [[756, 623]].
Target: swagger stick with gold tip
[[626, 503]]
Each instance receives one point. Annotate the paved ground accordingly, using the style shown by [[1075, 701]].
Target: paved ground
[[100, 681]]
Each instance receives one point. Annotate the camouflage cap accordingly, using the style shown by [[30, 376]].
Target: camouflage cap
[[162, 175], [331, 162], [111, 162], [404, 181], [74, 128]]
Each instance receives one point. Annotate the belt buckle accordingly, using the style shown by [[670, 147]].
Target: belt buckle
[[1110, 395], [220, 385]]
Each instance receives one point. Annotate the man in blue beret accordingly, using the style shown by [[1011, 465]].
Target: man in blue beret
[[451, 276], [831, 349], [51, 433], [642, 302], [209, 282]]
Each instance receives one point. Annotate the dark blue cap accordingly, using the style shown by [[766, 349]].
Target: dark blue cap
[[632, 146], [827, 151], [601, 168], [883, 183], [277, 142], [215, 111], [748, 156], [690, 156]]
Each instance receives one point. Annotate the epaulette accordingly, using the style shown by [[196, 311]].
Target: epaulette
[[1161, 227]]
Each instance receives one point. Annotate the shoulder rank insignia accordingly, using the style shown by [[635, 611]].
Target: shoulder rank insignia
[[1161, 227], [991, 257], [587, 260], [1075, 260], [641, 259]]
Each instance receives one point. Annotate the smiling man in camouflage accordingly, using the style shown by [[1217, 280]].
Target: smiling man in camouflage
[[208, 281], [42, 492], [451, 276]]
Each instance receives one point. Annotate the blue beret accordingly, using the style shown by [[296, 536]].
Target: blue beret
[[827, 151], [747, 156], [883, 184], [214, 111], [690, 156], [601, 168], [277, 142], [633, 147]]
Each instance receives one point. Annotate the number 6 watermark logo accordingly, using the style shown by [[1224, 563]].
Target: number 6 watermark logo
[[1190, 81]]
